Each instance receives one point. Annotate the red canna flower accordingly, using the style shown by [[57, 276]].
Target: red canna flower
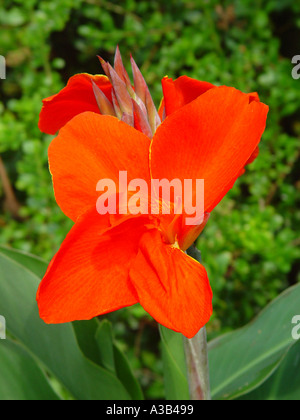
[[111, 261], [75, 98]]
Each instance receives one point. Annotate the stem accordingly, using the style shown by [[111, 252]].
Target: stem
[[197, 364]]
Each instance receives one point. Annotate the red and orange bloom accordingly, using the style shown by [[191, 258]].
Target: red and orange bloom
[[108, 262]]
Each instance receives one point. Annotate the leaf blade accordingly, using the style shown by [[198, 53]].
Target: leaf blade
[[242, 360], [21, 378], [175, 372], [54, 345]]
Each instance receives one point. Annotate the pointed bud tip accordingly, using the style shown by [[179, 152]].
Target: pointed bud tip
[[101, 59]]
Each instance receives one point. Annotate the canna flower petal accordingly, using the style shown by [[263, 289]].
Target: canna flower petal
[[77, 97], [211, 138], [172, 287], [89, 148], [181, 91], [89, 274]]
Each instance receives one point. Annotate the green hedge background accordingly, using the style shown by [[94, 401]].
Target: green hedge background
[[251, 245]]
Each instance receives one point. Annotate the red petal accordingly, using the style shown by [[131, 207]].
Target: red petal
[[182, 91], [172, 287], [89, 275], [212, 138], [93, 147], [75, 98]]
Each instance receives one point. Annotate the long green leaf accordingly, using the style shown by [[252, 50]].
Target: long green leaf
[[175, 372], [243, 360], [31, 262], [21, 378], [54, 345], [96, 341], [284, 384], [85, 333], [126, 375], [104, 339], [113, 359]]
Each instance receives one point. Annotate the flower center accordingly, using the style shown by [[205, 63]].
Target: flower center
[[170, 227]]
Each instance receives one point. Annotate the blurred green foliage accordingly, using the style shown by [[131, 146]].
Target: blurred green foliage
[[250, 246]]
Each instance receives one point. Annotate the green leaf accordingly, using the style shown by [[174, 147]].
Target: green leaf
[[31, 262], [96, 341], [284, 384], [104, 339], [85, 333], [21, 378], [55, 346], [113, 359], [126, 376], [175, 372], [241, 361]]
